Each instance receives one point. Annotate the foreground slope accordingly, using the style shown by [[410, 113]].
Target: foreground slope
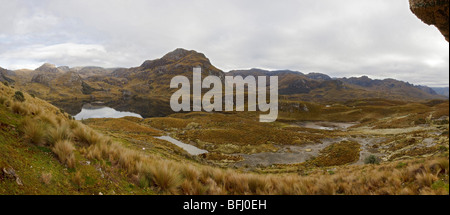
[[44, 151]]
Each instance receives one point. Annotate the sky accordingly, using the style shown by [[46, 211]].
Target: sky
[[345, 38]]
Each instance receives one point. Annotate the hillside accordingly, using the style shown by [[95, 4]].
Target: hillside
[[322, 88], [444, 91], [151, 80], [4, 75], [44, 151]]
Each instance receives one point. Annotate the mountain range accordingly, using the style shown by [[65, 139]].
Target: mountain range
[[151, 81]]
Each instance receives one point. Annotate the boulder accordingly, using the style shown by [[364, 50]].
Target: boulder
[[433, 12]]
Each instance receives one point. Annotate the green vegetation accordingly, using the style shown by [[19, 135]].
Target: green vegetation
[[372, 159], [18, 96], [342, 153], [54, 154]]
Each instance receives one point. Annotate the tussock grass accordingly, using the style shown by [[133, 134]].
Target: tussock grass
[[78, 179], [19, 108], [33, 131], [64, 150], [3, 100], [49, 119], [174, 177], [60, 133], [87, 136], [166, 177]]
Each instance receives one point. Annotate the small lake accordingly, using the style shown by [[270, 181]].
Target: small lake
[[189, 148], [89, 112]]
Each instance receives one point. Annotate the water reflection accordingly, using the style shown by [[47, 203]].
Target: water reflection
[[189, 148], [144, 107], [89, 111]]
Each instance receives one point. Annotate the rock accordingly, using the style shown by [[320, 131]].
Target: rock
[[43, 79], [11, 174], [433, 12], [308, 150], [305, 108]]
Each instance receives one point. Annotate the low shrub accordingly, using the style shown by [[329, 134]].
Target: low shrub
[[372, 159], [18, 96]]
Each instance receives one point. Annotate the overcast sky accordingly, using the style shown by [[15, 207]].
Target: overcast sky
[[378, 38]]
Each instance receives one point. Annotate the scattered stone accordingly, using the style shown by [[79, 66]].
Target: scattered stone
[[308, 150], [11, 174]]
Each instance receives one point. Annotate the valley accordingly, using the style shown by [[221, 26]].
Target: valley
[[112, 131]]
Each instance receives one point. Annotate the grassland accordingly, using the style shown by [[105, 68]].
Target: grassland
[[53, 154]]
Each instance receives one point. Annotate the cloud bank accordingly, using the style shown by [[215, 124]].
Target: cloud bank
[[381, 39]]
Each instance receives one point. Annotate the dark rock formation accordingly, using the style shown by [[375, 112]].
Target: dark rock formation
[[319, 76], [433, 12], [3, 76], [42, 79]]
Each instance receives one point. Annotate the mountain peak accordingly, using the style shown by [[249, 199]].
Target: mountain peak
[[175, 56], [47, 65], [48, 68], [178, 54]]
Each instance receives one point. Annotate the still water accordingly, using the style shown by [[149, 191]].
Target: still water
[[89, 112], [189, 148]]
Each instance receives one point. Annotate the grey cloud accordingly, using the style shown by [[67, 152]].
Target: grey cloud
[[382, 38]]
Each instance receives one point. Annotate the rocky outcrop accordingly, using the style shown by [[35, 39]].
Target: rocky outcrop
[[3, 76], [433, 12], [42, 79], [49, 68], [319, 76]]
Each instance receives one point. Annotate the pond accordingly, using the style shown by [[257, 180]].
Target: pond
[[144, 107], [91, 111], [189, 148]]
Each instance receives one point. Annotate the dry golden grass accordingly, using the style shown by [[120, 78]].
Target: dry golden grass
[[3, 100], [338, 154], [86, 136], [60, 133], [33, 131], [46, 178], [166, 177], [78, 179], [184, 178], [19, 108], [427, 176], [65, 152]]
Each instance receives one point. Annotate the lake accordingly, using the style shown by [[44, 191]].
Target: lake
[[89, 112]]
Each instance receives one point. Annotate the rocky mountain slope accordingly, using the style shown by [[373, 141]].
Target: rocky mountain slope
[[297, 83], [148, 85], [442, 91], [4, 75]]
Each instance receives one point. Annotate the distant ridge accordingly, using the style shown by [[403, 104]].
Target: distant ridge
[[152, 79], [444, 91]]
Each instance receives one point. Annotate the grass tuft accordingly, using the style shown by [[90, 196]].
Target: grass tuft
[[65, 152]]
